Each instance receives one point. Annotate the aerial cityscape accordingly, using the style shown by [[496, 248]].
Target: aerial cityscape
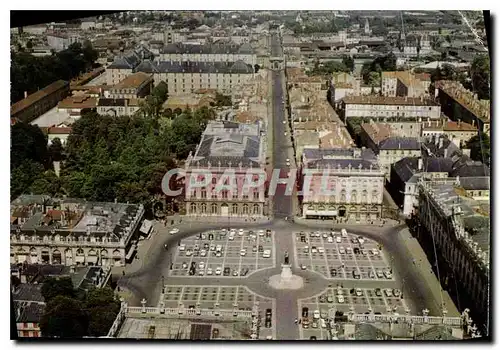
[[251, 175]]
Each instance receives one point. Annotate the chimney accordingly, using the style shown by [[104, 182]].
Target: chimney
[[446, 153], [25, 94], [72, 269], [420, 164], [441, 142]]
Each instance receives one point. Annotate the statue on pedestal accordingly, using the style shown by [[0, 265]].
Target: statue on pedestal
[[286, 258]]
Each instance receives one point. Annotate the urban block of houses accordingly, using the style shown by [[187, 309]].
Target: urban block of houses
[[341, 184], [405, 83], [459, 132], [72, 231]]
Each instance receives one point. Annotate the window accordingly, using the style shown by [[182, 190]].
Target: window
[[224, 194], [235, 209], [235, 194], [214, 208], [203, 193], [256, 209], [214, 180], [245, 209], [203, 208], [256, 195]]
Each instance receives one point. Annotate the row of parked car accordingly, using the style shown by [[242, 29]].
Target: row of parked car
[[201, 268]]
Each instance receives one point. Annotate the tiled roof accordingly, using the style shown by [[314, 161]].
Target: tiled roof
[[238, 67], [29, 312], [405, 143], [387, 100], [78, 102], [448, 125], [37, 96], [475, 183], [28, 292], [133, 81]]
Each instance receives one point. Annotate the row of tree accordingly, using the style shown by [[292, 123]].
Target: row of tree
[[105, 158], [29, 73], [347, 66]]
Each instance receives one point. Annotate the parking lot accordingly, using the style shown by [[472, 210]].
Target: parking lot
[[335, 303], [233, 253], [224, 298], [338, 255]]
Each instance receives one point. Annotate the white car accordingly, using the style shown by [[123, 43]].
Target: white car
[[329, 240], [218, 271], [340, 291], [361, 240], [210, 271], [243, 252], [233, 231], [388, 292], [340, 299], [323, 323], [287, 161], [341, 250], [201, 272], [343, 232], [316, 314], [212, 248], [338, 239], [375, 251], [380, 274], [267, 253], [241, 231], [359, 292], [388, 274], [306, 249], [184, 265], [174, 231], [189, 252], [321, 250], [231, 237], [349, 250], [261, 233], [201, 265], [314, 250], [303, 267], [324, 235], [182, 247], [218, 254]]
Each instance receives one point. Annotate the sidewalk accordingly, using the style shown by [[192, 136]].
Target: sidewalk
[[419, 258], [334, 224]]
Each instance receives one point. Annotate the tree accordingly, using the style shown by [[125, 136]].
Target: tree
[[48, 184], [53, 287], [348, 61], [103, 306], [374, 79], [56, 150], [480, 74], [222, 100], [89, 53], [256, 68], [480, 148], [64, 317]]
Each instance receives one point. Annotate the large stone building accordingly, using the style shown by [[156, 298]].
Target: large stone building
[[385, 107], [458, 103], [187, 77], [353, 181], [225, 148], [135, 85], [72, 231], [36, 104], [456, 229], [405, 83], [123, 66], [212, 52]]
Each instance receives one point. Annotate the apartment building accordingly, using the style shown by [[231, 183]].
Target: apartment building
[[125, 65], [219, 51], [136, 85], [61, 41], [341, 184], [458, 103], [385, 107], [225, 148], [72, 231], [459, 228], [74, 105], [36, 104], [459, 132], [388, 145], [405, 83], [194, 101], [187, 77], [118, 107]]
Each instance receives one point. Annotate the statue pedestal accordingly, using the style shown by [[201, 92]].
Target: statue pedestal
[[286, 279]]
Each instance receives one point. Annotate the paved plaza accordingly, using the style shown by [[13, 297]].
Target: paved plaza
[[224, 253], [341, 257], [223, 298]]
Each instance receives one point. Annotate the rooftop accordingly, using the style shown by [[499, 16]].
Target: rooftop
[[78, 102], [134, 81], [32, 215], [466, 98], [448, 125], [219, 47], [37, 96], [237, 67], [387, 100]]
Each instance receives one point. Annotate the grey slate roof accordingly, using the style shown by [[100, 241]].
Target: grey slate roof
[[320, 153], [133, 59], [393, 143], [470, 169], [238, 67], [29, 312], [28, 292], [475, 183], [211, 49], [436, 151]]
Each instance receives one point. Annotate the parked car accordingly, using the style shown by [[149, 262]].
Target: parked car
[[330, 299], [201, 272], [338, 239], [189, 252], [305, 323], [388, 292], [210, 271], [182, 247], [378, 292], [243, 252], [333, 272], [380, 274], [341, 250], [396, 292], [174, 231], [349, 250], [322, 299], [387, 274], [201, 265], [218, 271], [244, 271], [356, 250], [227, 271], [184, 265], [303, 267], [261, 233], [254, 249], [314, 250], [235, 273], [218, 254], [305, 312], [323, 323], [203, 253], [340, 299], [371, 274], [261, 248], [314, 324], [329, 239], [324, 235], [343, 232], [316, 314], [359, 292], [312, 337]]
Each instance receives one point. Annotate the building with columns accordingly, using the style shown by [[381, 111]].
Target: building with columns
[[72, 231], [458, 228], [343, 184], [225, 148]]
